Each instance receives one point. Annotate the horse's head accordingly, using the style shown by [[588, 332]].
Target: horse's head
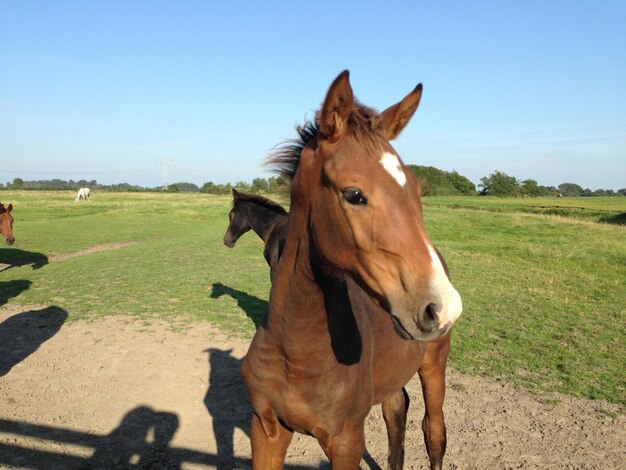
[[237, 225], [365, 212], [6, 223]]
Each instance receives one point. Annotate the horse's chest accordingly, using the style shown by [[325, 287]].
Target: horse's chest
[[307, 396], [324, 402]]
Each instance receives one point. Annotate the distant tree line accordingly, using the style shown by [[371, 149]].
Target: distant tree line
[[273, 184], [434, 182], [61, 185], [502, 185]]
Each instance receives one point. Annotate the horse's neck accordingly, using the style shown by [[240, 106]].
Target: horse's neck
[[310, 313], [261, 221]]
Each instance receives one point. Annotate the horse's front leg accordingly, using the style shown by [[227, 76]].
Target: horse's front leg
[[394, 413], [433, 377], [346, 449], [269, 440]]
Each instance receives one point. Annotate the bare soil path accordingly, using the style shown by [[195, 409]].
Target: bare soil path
[[122, 393]]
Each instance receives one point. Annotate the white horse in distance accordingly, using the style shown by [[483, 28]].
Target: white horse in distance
[[83, 193]]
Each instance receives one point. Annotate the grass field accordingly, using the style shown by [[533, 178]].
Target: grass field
[[610, 210], [543, 296]]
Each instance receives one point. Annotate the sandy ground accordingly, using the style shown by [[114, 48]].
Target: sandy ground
[[122, 393]]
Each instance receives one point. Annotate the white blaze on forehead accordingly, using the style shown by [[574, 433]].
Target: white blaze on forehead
[[391, 163]]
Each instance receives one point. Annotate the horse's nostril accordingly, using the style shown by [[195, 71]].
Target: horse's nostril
[[429, 320], [430, 314]]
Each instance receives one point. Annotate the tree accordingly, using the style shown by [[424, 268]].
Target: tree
[[499, 184], [208, 187], [436, 182], [529, 188], [548, 191], [259, 185], [172, 188], [570, 189], [184, 187], [461, 183], [18, 183], [212, 188], [278, 184], [242, 186]]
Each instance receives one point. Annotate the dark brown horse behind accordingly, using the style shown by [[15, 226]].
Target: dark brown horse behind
[[358, 292], [6, 223], [264, 217]]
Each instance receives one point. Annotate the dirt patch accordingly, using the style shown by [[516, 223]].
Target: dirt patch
[[20, 258], [91, 250], [123, 393]]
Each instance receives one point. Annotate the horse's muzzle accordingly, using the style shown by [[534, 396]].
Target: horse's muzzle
[[10, 241], [426, 328]]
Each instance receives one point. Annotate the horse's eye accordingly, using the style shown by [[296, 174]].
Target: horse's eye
[[354, 197]]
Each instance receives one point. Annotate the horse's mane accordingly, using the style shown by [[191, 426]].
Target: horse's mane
[[285, 157], [260, 200], [363, 122]]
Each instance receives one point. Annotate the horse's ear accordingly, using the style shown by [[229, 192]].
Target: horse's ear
[[235, 194], [396, 117], [333, 117], [10, 208]]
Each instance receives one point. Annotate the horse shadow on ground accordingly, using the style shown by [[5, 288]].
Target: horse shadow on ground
[[227, 402], [255, 308], [15, 258], [22, 334], [10, 289]]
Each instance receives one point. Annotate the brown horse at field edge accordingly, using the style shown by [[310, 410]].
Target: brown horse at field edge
[[6, 223]]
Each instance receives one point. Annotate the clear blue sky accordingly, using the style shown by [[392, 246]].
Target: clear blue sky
[[105, 89]]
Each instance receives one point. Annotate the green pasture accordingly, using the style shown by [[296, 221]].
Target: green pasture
[[543, 295], [610, 210]]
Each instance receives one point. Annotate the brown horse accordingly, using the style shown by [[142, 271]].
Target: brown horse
[[265, 217], [6, 223], [269, 221], [359, 290]]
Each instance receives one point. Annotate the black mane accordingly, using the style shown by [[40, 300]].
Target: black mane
[[261, 201], [364, 123], [285, 157]]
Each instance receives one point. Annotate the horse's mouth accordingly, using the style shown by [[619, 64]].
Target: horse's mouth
[[400, 329], [404, 334], [10, 241]]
